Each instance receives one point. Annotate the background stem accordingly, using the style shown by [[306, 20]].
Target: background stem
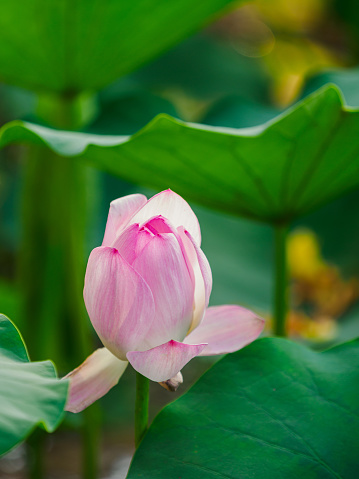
[[51, 269], [141, 407], [34, 454], [91, 441], [281, 280]]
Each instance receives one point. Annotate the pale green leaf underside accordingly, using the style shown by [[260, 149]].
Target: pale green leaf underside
[[274, 172], [30, 393], [275, 410], [72, 46]]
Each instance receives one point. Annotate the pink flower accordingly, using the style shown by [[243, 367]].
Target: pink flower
[[146, 291]]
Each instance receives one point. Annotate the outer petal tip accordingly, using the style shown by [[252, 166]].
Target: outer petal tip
[[226, 329], [164, 361], [173, 207]]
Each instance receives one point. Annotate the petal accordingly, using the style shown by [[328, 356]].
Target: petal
[[119, 302], [131, 242], [125, 243], [226, 329], [165, 361], [121, 210], [202, 275], [173, 207], [162, 265], [93, 379], [158, 225]]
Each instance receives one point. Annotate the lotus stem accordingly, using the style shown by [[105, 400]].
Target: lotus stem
[[141, 407], [35, 456], [281, 280]]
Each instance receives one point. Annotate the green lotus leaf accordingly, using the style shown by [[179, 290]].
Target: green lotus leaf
[[273, 410], [30, 393], [70, 47], [274, 172]]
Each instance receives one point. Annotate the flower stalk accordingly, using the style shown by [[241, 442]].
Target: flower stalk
[[141, 407], [281, 280]]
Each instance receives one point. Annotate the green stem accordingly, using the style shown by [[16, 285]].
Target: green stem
[[90, 435], [52, 259], [68, 112], [35, 456], [281, 280], [141, 407]]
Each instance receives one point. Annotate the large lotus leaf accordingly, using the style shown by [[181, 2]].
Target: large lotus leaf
[[274, 410], [74, 46], [30, 393], [274, 172]]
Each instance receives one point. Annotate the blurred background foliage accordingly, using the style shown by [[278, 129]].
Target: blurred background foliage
[[240, 71]]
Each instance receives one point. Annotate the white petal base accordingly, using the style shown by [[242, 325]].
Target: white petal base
[[93, 379]]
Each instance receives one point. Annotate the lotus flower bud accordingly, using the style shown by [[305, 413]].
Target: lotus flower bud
[[146, 292]]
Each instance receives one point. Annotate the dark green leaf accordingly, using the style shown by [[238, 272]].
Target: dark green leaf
[[277, 171], [74, 46], [30, 393], [274, 410]]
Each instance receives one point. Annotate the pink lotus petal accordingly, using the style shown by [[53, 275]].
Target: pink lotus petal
[[171, 206], [226, 329], [131, 242], [202, 274], [163, 267], [158, 225], [93, 379], [126, 242], [120, 213], [204, 267], [165, 361], [119, 302]]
